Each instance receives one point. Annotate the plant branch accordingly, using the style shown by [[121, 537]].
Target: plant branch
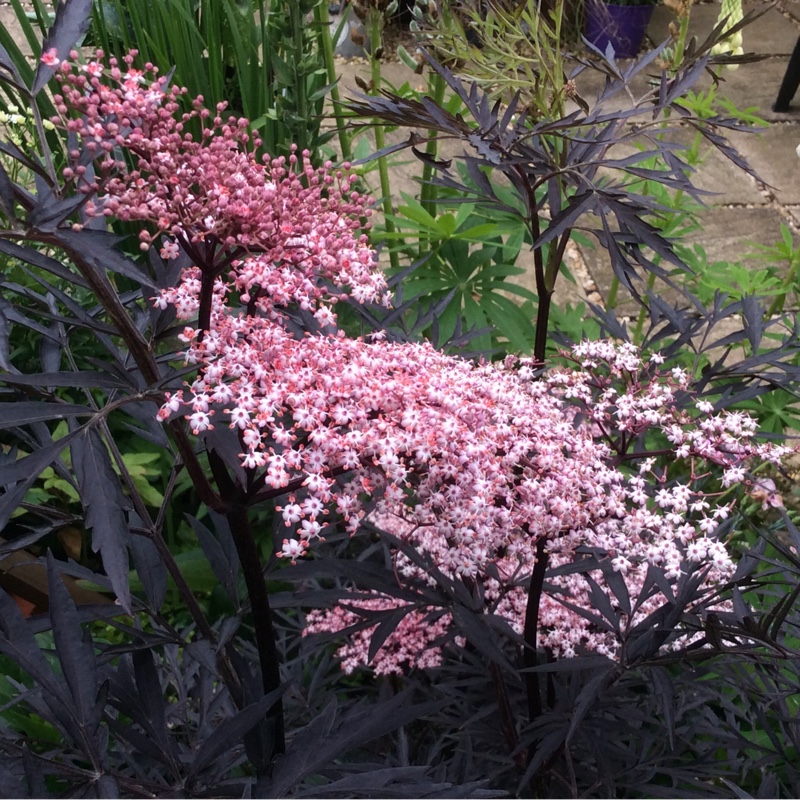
[[375, 31], [250, 559], [506, 714], [154, 535], [322, 18], [139, 349], [530, 632]]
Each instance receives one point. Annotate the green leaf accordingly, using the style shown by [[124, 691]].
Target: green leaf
[[477, 233], [406, 57], [414, 211], [509, 321], [475, 317], [463, 213], [133, 459], [499, 271], [194, 567], [787, 237], [446, 223]]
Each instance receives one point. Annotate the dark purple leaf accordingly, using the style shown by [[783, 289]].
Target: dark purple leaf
[[143, 742], [364, 576], [388, 782], [50, 212], [11, 499], [30, 467], [104, 503], [18, 643], [586, 699], [434, 162], [7, 194], [149, 567], [151, 696], [74, 648], [26, 159], [12, 778], [83, 379], [34, 775], [753, 317], [596, 619], [5, 362], [413, 139], [107, 787], [474, 628], [320, 743], [7, 64], [225, 443], [72, 21], [30, 255], [230, 732], [27, 539], [98, 248], [220, 551], [80, 317], [576, 664], [51, 347], [738, 791], [386, 627], [665, 691], [619, 587], [566, 218]]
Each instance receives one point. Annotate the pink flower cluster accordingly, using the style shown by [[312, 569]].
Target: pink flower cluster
[[415, 642], [473, 465], [552, 459]]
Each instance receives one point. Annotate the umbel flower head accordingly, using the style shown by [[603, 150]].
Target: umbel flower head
[[473, 465]]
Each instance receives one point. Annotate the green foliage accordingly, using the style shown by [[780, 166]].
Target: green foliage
[[737, 280], [777, 412], [521, 48], [469, 261], [785, 253]]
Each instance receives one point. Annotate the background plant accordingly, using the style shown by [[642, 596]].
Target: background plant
[[265, 59]]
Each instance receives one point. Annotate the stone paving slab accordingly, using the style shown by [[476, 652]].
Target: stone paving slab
[[755, 86], [772, 153], [794, 213], [716, 173], [726, 234], [729, 234], [792, 9]]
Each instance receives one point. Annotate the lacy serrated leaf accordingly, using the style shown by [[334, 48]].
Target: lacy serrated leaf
[[105, 504]]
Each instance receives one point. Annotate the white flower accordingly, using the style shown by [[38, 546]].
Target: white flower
[[292, 549]]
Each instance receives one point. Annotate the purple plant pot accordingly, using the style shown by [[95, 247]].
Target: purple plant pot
[[623, 27]]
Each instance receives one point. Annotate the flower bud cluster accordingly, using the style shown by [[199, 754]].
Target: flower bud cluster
[[731, 14], [293, 224]]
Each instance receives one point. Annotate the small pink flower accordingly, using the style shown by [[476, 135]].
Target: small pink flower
[[50, 58]]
